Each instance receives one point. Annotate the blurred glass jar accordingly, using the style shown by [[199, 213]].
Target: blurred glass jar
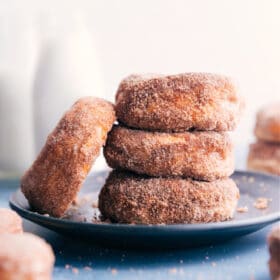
[[18, 51], [47, 63], [68, 68]]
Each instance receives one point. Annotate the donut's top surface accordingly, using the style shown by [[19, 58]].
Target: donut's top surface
[[202, 101]]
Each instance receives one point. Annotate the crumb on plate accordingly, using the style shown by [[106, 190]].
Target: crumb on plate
[[242, 209], [261, 203]]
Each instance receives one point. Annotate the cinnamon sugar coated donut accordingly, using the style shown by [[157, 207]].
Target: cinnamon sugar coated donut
[[200, 101], [265, 157], [25, 257], [10, 221], [130, 198], [274, 250], [199, 155], [54, 179], [268, 123]]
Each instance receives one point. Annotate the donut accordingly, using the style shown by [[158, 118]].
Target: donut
[[200, 101], [25, 257], [274, 250], [52, 182], [268, 123], [200, 155], [134, 199], [10, 221], [264, 157]]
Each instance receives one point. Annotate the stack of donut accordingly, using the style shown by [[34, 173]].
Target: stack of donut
[[171, 153], [264, 154]]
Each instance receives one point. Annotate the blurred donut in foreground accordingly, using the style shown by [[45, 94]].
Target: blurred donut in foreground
[[25, 257], [10, 221], [274, 250]]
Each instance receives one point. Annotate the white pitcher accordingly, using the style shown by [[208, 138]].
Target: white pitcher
[[18, 51], [68, 68]]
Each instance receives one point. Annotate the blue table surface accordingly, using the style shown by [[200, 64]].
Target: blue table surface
[[242, 258]]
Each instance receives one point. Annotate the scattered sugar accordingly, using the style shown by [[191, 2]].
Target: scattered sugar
[[261, 203], [172, 270], [75, 270], [243, 209]]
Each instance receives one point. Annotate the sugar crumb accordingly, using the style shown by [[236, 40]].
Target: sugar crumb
[[172, 270], [251, 180], [75, 270], [261, 203], [243, 209]]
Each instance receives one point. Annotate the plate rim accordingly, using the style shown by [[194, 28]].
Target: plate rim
[[232, 224]]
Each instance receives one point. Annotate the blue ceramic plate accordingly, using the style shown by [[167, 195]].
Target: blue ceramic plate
[[81, 222]]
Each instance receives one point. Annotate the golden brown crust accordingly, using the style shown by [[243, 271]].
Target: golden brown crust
[[274, 250], [10, 221], [54, 179], [25, 257], [130, 198], [199, 155], [268, 123], [265, 157], [200, 101]]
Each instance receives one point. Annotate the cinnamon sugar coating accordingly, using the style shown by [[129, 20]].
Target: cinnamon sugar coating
[[200, 101], [52, 182], [130, 198], [274, 250], [10, 221], [268, 123], [265, 157], [200, 155], [25, 257]]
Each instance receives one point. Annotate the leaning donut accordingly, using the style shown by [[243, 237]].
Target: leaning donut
[[52, 182], [10, 221]]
